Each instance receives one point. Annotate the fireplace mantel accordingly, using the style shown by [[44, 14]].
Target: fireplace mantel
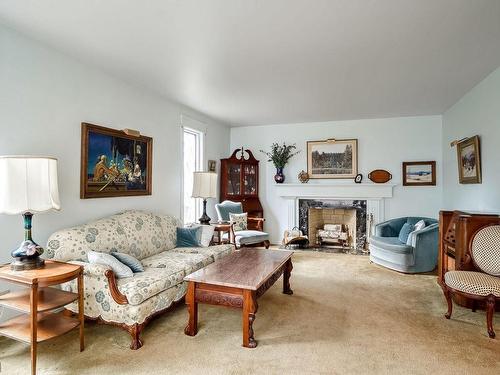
[[336, 190]]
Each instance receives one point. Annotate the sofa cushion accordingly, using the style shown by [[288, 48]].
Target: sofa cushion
[[144, 233], [169, 226], [149, 283], [391, 243], [248, 237], [104, 235], [405, 231], [172, 260], [215, 252]]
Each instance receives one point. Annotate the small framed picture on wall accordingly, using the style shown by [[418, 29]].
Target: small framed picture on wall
[[212, 165], [419, 173], [469, 161]]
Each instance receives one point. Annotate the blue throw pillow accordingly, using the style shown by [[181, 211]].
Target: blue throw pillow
[[405, 232], [129, 261], [188, 237]]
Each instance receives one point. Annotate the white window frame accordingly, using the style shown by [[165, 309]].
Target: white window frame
[[198, 129]]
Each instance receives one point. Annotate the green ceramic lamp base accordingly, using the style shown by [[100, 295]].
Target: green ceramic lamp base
[[27, 255]]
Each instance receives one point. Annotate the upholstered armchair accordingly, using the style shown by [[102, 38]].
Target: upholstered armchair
[[253, 235], [418, 254], [481, 286]]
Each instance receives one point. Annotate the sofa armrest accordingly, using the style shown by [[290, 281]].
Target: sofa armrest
[[100, 270], [91, 269], [425, 244], [390, 228]]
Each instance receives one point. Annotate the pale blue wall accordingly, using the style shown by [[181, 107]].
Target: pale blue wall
[[478, 112]]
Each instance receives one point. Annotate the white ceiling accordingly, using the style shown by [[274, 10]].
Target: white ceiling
[[250, 62]]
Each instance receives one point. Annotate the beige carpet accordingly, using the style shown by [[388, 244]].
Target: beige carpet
[[346, 316]]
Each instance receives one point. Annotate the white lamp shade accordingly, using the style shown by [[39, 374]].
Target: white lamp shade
[[204, 185], [28, 184]]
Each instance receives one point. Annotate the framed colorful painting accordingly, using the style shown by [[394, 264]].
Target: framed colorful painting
[[469, 161], [419, 173], [333, 158], [114, 164]]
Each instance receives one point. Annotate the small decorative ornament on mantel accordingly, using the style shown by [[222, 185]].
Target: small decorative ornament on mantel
[[29, 185], [303, 177], [280, 155]]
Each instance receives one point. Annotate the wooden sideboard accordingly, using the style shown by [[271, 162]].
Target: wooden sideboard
[[456, 230]]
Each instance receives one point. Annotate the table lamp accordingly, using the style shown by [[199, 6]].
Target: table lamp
[[204, 186], [28, 185]]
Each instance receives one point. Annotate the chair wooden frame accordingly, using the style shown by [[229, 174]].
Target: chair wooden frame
[[489, 300]]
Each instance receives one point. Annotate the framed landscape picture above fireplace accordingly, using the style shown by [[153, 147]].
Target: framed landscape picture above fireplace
[[332, 158]]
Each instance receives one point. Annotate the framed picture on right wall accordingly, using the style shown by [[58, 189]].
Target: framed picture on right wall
[[469, 161]]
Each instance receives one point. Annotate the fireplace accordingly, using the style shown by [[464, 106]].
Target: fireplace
[[351, 214], [367, 199]]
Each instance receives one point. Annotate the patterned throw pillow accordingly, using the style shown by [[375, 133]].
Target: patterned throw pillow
[[239, 221]]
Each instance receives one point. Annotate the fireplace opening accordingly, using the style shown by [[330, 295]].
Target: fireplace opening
[[332, 223]]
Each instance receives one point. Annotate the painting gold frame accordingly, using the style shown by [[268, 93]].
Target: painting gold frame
[[113, 187], [472, 145], [311, 145]]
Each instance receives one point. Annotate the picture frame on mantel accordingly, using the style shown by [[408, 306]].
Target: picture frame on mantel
[[419, 173], [114, 163], [469, 161], [332, 159]]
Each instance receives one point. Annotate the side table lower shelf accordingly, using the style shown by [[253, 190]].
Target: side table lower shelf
[[49, 325]]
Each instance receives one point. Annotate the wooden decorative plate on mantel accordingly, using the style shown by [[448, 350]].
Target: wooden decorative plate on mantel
[[380, 176]]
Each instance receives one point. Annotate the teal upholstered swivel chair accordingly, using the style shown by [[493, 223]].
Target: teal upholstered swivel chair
[[418, 254], [253, 236]]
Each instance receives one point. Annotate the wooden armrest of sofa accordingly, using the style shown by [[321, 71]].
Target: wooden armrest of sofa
[[97, 270], [119, 298]]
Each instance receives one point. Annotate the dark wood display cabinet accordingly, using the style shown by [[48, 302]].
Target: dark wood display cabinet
[[240, 181]]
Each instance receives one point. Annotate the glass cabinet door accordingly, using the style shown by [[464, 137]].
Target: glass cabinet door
[[250, 180], [233, 179]]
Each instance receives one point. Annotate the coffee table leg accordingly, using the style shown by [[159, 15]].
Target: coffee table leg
[[249, 310], [286, 277], [192, 327]]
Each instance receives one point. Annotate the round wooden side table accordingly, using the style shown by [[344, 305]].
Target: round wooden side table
[[38, 302]]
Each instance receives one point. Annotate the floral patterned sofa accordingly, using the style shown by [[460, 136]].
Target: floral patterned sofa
[[131, 302]]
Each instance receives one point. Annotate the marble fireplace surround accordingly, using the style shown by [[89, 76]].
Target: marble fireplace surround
[[373, 194]]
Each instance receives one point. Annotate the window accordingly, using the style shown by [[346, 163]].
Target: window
[[193, 160]]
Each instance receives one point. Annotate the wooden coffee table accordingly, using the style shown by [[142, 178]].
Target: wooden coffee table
[[237, 280]]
